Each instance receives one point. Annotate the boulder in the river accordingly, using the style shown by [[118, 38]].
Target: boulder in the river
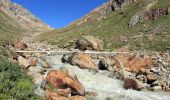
[[132, 63], [108, 64], [83, 61], [21, 45], [62, 80], [130, 83], [89, 43]]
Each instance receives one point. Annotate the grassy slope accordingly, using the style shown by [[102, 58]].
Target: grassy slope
[[9, 29], [112, 29], [14, 83]]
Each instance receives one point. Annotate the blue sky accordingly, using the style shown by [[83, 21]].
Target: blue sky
[[59, 13]]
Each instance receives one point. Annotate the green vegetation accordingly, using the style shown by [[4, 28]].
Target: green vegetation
[[14, 83], [114, 30]]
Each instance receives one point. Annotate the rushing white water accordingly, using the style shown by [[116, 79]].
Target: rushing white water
[[106, 88]]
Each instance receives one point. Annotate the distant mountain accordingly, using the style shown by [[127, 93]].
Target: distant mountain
[[16, 21], [137, 24], [23, 16]]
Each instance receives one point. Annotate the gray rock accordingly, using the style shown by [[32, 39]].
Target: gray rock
[[134, 20]]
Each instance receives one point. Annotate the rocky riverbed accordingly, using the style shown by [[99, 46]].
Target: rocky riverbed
[[78, 76]]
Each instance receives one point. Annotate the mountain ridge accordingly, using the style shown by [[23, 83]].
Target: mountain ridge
[[23, 16], [117, 27]]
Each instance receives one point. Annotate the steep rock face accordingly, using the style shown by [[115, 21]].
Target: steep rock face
[[118, 4], [23, 16]]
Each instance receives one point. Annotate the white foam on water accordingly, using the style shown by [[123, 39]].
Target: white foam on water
[[106, 87]]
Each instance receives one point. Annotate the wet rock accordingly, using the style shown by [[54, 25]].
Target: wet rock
[[108, 64], [89, 43], [62, 80], [70, 73], [132, 63], [130, 83], [83, 61], [24, 62], [21, 45], [151, 78]]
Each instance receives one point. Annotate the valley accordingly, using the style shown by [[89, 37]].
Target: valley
[[119, 51]]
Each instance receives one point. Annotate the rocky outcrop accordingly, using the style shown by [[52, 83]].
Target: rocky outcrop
[[89, 43], [157, 13], [118, 4], [62, 80], [153, 14], [81, 60]]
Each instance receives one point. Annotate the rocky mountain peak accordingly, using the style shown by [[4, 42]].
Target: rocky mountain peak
[[23, 16]]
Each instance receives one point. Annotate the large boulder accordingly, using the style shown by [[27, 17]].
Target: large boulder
[[132, 63], [81, 60], [89, 43], [62, 80]]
